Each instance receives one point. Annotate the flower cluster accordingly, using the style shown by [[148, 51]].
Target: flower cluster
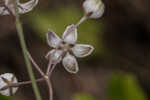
[[65, 49]]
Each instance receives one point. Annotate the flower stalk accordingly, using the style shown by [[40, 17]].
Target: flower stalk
[[35, 64], [81, 20], [21, 84], [24, 50]]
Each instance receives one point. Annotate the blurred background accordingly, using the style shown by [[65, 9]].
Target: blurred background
[[119, 67]]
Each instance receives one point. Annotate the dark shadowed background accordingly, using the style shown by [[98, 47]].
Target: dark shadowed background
[[121, 39]]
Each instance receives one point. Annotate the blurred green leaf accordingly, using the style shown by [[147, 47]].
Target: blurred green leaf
[[5, 97], [125, 87], [58, 19], [82, 96]]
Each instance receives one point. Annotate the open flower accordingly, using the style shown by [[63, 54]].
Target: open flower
[[66, 48], [93, 8], [8, 5], [6, 80]]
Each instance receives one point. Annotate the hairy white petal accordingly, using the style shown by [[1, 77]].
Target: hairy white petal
[[22, 7], [11, 79], [6, 11], [52, 39], [3, 11], [27, 7], [93, 8], [70, 34], [82, 50], [7, 6], [54, 55], [70, 63]]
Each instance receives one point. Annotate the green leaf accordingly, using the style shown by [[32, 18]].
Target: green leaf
[[83, 96], [125, 87]]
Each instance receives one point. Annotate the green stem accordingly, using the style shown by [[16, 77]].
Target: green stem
[[24, 49]]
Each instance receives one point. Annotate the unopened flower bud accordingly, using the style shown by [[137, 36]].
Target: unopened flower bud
[[5, 81], [93, 8]]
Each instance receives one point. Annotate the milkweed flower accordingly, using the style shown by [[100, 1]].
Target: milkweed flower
[[93, 8], [66, 49], [8, 5], [6, 80]]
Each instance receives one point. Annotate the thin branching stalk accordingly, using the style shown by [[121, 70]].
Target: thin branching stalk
[[49, 84], [45, 76], [21, 84], [48, 81], [24, 49], [35, 64], [81, 20], [49, 66], [52, 68], [26, 82]]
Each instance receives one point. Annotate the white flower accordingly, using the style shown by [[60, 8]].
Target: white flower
[[66, 48], [93, 8], [8, 5], [5, 80]]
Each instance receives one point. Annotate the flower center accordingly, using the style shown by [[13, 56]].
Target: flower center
[[66, 46]]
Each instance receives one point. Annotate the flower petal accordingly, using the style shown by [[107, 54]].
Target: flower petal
[[3, 11], [54, 55], [82, 50], [70, 34], [27, 7], [4, 7], [52, 39], [22, 7], [70, 63]]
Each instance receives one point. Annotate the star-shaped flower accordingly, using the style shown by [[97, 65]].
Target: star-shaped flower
[[5, 80], [66, 49], [22, 7]]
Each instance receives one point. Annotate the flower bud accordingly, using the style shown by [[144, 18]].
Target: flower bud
[[6, 80], [93, 8]]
